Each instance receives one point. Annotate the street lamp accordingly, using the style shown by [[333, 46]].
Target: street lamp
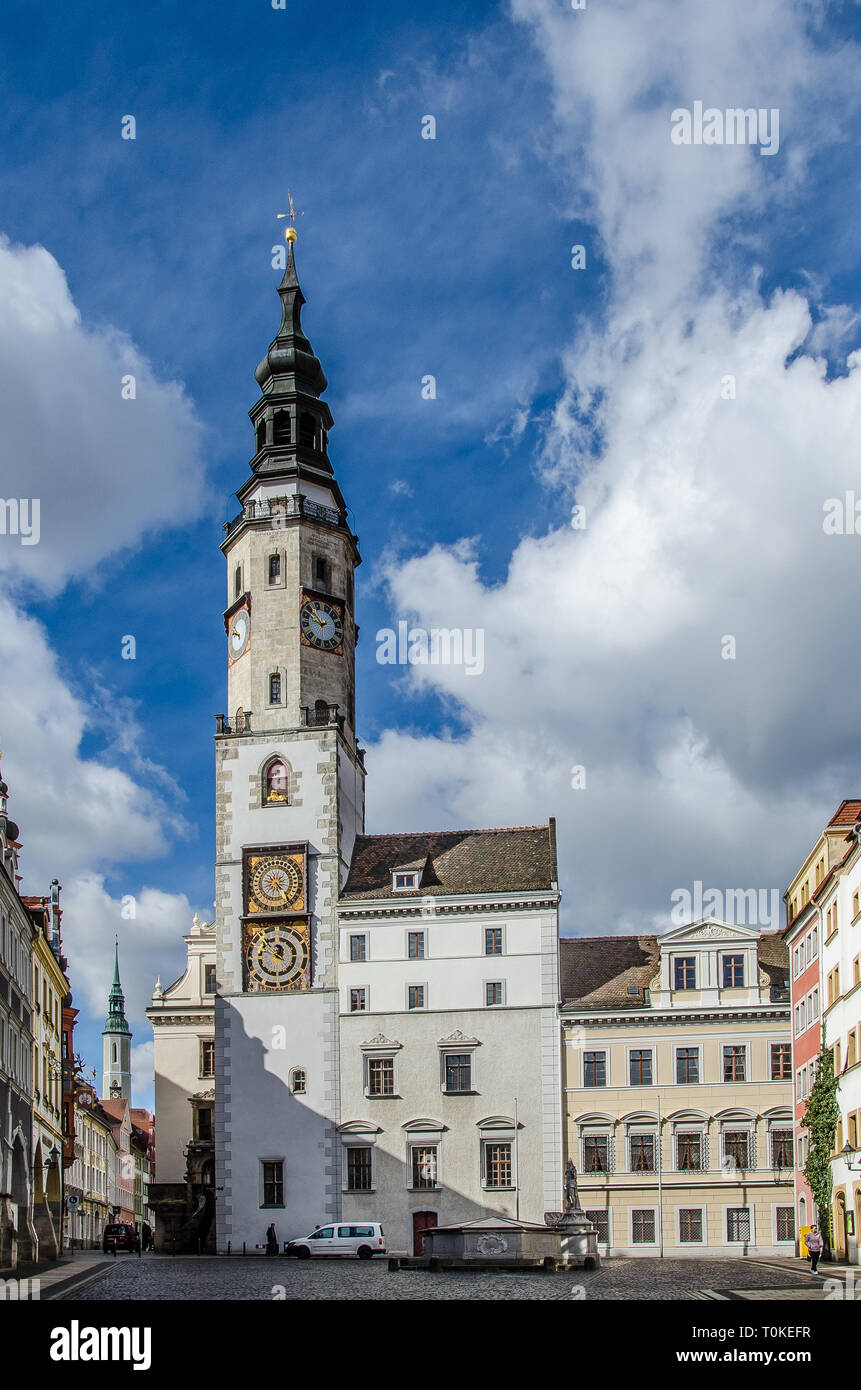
[[849, 1153], [52, 1159]]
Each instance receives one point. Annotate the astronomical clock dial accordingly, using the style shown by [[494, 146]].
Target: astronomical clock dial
[[275, 881], [322, 625], [276, 957], [238, 634]]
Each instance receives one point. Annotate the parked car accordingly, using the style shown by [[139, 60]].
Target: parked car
[[364, 1239], [121, 1236]]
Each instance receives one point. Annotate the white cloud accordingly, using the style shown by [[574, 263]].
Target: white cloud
[[105, 470], [143, 1074], [704, 514]]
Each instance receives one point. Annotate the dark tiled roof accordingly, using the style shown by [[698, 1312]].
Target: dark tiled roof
[[522, 859], [596, 971]]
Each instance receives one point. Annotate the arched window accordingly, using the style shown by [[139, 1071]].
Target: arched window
[[307, 429], [321, 572], [275, 688], [239, 722], [114, 1054], [321, 711], [276, 782], [298, 1081], [282, 431], [261, 435], [274, 568], [237, 582]]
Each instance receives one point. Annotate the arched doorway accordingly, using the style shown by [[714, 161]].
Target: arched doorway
[[841, 1239]]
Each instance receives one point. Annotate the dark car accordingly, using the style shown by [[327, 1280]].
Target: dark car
[[121, 1236]]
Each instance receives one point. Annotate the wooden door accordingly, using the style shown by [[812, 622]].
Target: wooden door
[[422, 1220]]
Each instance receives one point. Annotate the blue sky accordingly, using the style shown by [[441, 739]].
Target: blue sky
[[449, 257]]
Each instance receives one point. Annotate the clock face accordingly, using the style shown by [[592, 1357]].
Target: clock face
[[238, 634], [277, 958], [275, 882], [322, 625]]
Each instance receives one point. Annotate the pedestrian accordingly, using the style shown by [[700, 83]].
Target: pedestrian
[[814, 1243], [271, 1240]]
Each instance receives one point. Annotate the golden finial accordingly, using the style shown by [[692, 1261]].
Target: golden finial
[[290, 233]]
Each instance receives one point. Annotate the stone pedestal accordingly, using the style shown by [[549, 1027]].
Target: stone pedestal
[[578, 1238]]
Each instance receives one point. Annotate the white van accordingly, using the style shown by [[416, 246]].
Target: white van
[[364, 1239]]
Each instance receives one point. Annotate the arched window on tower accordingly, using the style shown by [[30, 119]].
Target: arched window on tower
[[114, 1054], [282, 431], [321, 711], [307, 429], [237, 582], [321, 572], [239, 722], [275, 688], [261, 435], [276, 783], [298, 1081], [274, 568]]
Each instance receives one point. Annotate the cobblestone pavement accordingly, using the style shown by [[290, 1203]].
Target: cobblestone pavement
[[156, 1277]]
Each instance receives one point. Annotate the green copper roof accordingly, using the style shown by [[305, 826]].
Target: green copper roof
[[116, 1019]]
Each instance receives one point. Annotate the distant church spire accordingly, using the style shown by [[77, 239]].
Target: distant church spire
[[116, 1041]]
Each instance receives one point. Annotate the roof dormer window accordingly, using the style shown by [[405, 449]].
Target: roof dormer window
[[403, 882]]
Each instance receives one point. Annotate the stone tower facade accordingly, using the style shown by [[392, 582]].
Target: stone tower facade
[[289, 804], [116, 1043]]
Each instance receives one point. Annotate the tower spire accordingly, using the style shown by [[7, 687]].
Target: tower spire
[[116, 1041]]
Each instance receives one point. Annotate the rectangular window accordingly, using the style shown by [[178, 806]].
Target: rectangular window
[[689, 1152], [642, 1153], [415, 996], [273, 1184], [357, 1001], [685, 972], [594, 1069], [691, 1226], [274, 568], [733, 972], [458, 1072], [643, 1226], [785, 1223], [275, 689], [640, 1064], [736, 1145], [493, 992], [207, 1057], [596, 1153], [359, 1169], [416, 945], [497, 1158], [781, 1148], [781, 1061], [687, 1065], [358, 948], [493, 941], [601, 1219], [209, 979], [424, 1166], [738, 1223], [381, 1076], [734, 1061], [406, 881]]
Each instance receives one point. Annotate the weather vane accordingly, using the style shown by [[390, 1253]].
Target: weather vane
[[290, 232]]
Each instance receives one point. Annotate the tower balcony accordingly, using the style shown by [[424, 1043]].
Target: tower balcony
[[322, 716], [294, 504]]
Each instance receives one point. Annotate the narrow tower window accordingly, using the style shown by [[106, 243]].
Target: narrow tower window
[[276, 782], [261, 435], [321, 712], [275, 688], [321, 572], [274, 568], [282, 432], [307, 429], [237, 582]]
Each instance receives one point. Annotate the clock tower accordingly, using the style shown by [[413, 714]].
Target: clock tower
[[289, 805]]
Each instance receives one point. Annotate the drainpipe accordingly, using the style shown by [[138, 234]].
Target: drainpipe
[[516, 1166], [660, 1180]]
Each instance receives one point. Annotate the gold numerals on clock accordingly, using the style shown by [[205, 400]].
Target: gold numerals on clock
[[322, 624], [276, 883], [277, 957]]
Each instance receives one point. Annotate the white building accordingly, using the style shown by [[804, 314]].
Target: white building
[[450, 1067]]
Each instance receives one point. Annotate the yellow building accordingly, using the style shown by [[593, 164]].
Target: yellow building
[[50, 987], [677, 1075]]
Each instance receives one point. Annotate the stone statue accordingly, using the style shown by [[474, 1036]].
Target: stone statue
[[572, 1198]]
